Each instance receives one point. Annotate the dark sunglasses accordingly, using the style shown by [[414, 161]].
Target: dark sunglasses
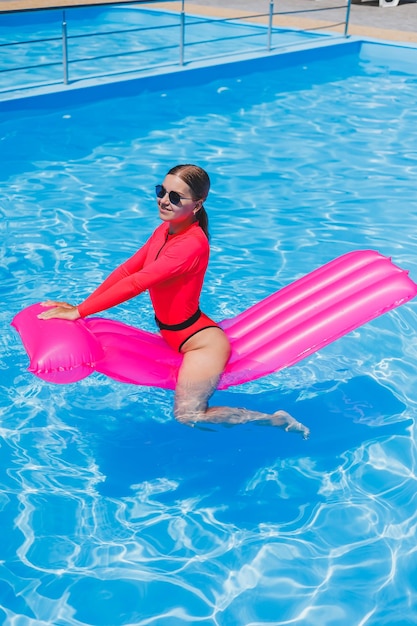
[[174, 196]]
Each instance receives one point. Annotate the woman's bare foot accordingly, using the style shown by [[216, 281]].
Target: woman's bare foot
[[288, 423]]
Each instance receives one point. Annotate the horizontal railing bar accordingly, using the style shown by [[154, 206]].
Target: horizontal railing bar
[[310, 28], [257, 15], [25, 88], [310, 10], [29, 67], [136, 70], [121, 32], [121, 54], [29, 41], [230, 19], [86, 35]]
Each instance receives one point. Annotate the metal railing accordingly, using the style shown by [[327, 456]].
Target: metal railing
[[251, 33]]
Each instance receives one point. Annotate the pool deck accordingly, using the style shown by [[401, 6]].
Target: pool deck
[[367, 19]]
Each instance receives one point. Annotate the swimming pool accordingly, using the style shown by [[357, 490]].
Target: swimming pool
[[114, 514]]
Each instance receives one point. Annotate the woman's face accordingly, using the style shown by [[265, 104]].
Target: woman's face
[[180, 208]]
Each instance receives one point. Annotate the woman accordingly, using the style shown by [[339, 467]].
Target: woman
[[172, 265]]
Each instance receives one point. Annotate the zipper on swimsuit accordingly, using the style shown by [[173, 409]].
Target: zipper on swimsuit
[[160, 249]]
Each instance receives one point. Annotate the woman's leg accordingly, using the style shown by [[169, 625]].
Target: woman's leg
[[205, 357]]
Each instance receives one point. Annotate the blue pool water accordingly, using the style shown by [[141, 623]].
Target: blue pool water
[[111, 512]]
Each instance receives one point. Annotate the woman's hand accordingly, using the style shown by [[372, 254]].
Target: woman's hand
[[60, 310]]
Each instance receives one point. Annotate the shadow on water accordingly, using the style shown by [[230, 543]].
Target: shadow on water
[[251, 473]]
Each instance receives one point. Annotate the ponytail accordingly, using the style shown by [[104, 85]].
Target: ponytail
[[202, 219]]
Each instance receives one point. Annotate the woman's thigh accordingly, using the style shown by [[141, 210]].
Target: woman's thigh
[[205, 357]]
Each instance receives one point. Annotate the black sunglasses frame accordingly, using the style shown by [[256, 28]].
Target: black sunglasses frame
[[174, 196]]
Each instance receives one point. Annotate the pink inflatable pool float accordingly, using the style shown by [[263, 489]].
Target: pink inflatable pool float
[[274, 333]]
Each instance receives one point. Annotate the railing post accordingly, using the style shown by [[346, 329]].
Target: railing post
[[347, 18], [271, 17], [182, 34], [64, 49]]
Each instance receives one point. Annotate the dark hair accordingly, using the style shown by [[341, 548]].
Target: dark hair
[[199, 182]]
